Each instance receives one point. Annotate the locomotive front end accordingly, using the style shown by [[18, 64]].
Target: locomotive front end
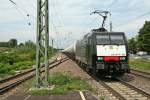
[[111, 53]]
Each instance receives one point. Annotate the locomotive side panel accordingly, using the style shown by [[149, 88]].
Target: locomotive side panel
[[81, 51]]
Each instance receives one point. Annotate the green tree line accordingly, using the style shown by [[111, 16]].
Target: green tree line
[[10, 43], [141, 42]]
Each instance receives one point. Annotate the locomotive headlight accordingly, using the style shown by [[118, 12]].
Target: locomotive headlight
[[100, 58], [122, 58]]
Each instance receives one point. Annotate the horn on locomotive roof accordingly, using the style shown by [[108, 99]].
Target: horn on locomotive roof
[[103, 14]]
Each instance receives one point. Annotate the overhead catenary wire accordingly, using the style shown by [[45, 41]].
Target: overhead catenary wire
[[17, 7], [57, 21], [54, 28], [25, 14], [27, 19], [134, 19], [112, 4], [56, 13], [13, 2]]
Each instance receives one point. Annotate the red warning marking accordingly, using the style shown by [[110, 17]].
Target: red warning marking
[[114, 58]]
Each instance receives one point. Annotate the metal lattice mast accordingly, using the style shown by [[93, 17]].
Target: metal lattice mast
[[42, 41]]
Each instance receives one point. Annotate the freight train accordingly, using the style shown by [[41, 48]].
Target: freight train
[[102, 52]]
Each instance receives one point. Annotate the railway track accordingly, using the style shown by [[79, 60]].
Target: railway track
[[11, 82], [108, 92], [139, 91], [140, 73], [117, 89], [125, 91]]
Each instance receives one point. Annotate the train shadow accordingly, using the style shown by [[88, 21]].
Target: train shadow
[[127, 78]]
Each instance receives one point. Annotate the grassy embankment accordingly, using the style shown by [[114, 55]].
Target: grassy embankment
[[62, 83], [18, 58], [141, 64]]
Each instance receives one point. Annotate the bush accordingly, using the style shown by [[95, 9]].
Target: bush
[[10, 58], [10, 69], [5, 68], [60, 78], [19, 58]]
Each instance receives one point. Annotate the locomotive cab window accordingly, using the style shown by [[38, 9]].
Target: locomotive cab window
[[103, 39], [117, 39]]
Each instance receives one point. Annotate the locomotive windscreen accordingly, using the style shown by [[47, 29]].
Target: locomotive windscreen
[[116, 39], [110, 39], [111, 45], [103, 39]]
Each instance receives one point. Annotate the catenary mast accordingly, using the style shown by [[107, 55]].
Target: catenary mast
[[42, 41]]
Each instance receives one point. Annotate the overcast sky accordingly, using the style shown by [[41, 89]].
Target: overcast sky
[[71, 19]]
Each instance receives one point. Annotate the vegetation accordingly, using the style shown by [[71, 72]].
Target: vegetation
[[132, 45], [142, 41], [63, 82], [18, 58], [141, 64], [144, 37], [10, 43]]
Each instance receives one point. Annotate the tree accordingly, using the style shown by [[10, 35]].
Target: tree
[[144, 37], [30, 44], [132, 43], [21, 44], [12, 42], [4, 44]]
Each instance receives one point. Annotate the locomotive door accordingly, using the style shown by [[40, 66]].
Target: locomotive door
[[89, 52]]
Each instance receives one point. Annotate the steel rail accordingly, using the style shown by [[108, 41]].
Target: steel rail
[[14, 84], [20, 74], [111, 90], [140, 73], [134, 88]]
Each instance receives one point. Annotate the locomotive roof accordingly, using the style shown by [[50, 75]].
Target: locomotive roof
[[108, 32], [96, 33]]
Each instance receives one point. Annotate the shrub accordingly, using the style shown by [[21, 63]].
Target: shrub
[[60, 78], [10, 69], [10, 58]]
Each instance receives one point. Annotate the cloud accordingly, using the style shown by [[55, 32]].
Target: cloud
[[132, 27], [69, 16]]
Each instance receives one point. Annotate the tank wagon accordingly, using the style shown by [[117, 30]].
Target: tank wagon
[[70, 51]]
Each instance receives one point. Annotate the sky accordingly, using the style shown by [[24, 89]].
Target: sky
[[70, 20]]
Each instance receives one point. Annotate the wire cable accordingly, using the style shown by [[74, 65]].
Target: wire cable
[[111, 5], [134, 19]]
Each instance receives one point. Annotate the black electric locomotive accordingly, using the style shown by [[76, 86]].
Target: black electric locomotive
[[102, 52]]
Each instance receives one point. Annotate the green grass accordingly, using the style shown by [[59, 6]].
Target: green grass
[[101, 98], [141, 64], [63, 82], [10, 69], [18, 58]]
